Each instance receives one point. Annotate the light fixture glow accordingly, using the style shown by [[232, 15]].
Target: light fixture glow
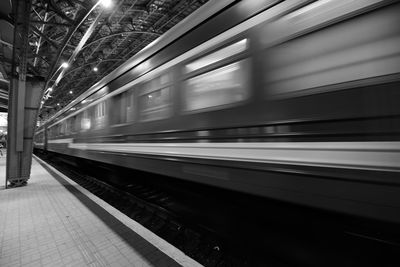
[[106, 3], [65, 65], [95, 69]]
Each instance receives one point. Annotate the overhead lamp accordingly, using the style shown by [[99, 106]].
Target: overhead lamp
[[95, 69], [65, 65], [106, 3]]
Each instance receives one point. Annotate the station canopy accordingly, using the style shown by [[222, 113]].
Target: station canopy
[[75, 43]]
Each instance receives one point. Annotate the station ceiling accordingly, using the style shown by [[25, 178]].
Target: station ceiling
[[90, 36]]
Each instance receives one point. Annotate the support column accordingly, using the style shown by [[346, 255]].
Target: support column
[[24, 102]]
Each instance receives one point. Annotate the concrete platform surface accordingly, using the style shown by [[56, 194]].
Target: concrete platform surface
[[54, 222]]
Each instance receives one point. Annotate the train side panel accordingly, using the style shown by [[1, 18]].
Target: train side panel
[[296, 103]]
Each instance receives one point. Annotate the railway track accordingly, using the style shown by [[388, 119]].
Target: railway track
[[219, 228]]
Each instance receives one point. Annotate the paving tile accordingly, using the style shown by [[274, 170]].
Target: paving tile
[[36, 263], [47, 224], [10, 264], [54, 263]]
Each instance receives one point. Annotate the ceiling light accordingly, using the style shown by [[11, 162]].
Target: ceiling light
[[106, 3]]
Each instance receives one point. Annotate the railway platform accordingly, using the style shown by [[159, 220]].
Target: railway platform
[[54, 222]]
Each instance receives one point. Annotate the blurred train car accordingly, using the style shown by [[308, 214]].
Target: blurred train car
[[291, 100]]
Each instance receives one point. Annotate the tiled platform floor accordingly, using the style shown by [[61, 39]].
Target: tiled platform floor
[[54, 222]]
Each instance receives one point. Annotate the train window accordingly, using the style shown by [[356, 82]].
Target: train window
[[155, 105], [100, 115], [39, 138], [70, 125], [85, 121], [73, 124], [78, 122], [156, 83], [129, 106], [67, 129], [117, 112], [54, 131], [62, 128], [100, 110], [155, 98], [222, 86], [356, 52], [219, 55]]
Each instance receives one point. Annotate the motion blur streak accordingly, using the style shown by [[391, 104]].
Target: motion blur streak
[[290, 100]]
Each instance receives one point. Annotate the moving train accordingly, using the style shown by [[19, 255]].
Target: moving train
[[296, 101]]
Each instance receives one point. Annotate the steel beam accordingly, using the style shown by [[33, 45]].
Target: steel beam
[[51, 23], [66, 39], [117, 34], [40, 34], [54, 7], [24, 102]]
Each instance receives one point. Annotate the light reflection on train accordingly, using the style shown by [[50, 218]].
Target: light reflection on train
[[290, 100]]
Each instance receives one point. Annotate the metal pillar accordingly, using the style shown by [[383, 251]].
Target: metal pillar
[[23, 109], [24, 102]]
